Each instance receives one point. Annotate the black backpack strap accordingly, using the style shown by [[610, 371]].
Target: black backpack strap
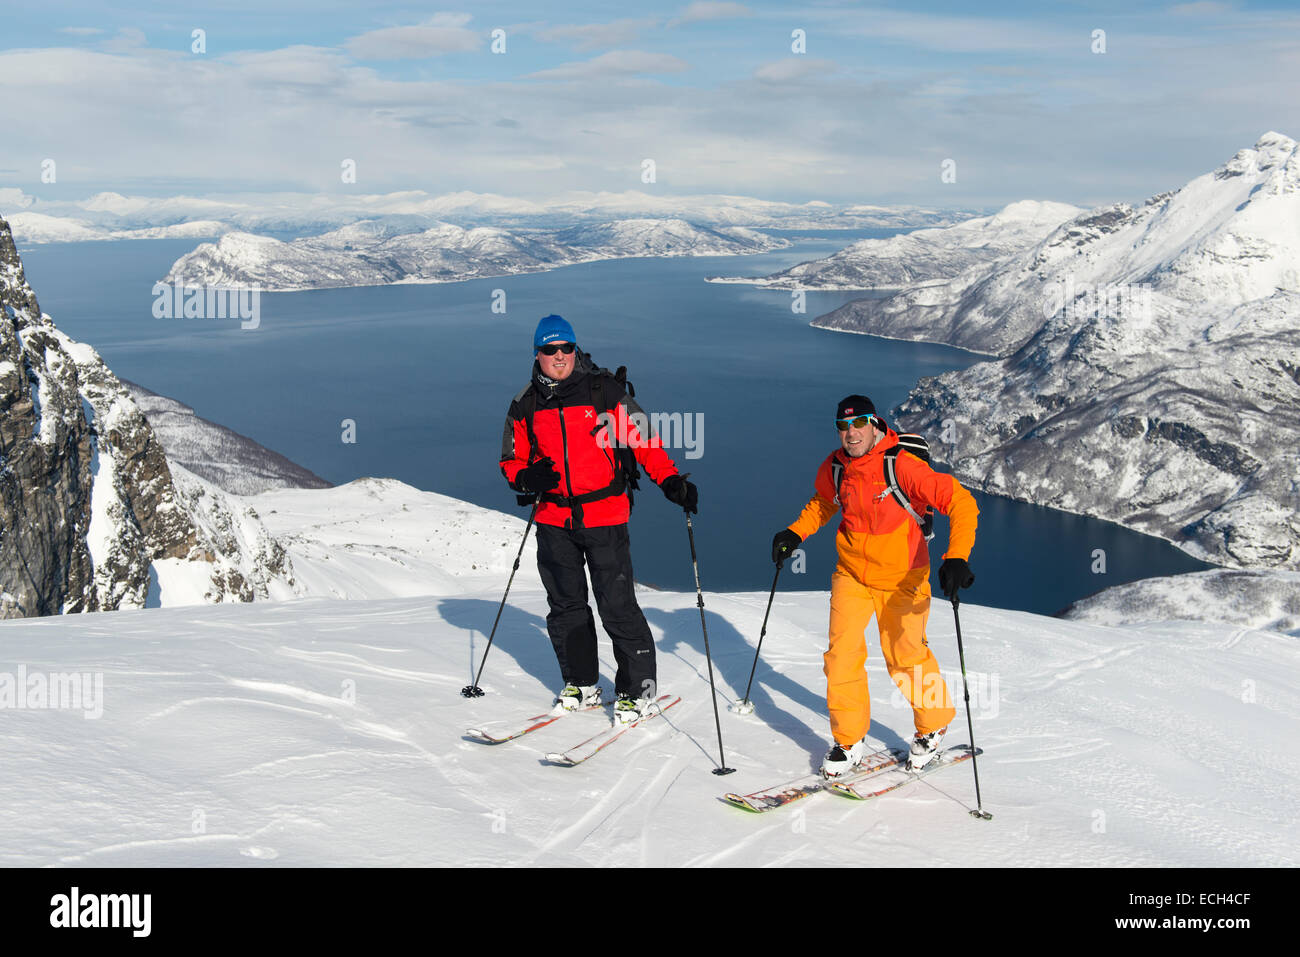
[[891, 481], [627, 471], [526, 402], [837, 476]]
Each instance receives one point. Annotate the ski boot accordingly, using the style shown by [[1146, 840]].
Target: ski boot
[[840, 760], [628, 709], [575, 698], [924, 748]]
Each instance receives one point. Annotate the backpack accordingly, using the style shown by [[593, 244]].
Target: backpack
[[626, 472], [907, 442], [623, 453]]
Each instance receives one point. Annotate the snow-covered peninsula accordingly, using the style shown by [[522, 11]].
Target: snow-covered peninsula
[[370, 253]]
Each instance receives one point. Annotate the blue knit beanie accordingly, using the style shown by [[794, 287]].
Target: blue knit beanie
[[552, 329]]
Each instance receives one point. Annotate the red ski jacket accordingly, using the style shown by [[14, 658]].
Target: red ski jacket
[[583, 442]]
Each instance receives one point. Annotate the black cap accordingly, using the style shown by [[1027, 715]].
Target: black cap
[[852, 406]]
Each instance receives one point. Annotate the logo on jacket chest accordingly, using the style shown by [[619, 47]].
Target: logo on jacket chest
[[861, 487]]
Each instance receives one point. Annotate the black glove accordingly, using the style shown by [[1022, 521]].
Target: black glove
[[538, 477], [954, 573], [783, 544], [681, 492]]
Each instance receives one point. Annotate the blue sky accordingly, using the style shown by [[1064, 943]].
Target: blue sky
[[1012, 94]]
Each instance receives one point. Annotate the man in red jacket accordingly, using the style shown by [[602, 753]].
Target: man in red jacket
[[568, 438]]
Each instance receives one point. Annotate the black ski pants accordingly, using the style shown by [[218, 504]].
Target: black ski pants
[[605, 551]]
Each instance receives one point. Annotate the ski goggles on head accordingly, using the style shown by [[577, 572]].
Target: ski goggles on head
[[858, 422], [554, 347]]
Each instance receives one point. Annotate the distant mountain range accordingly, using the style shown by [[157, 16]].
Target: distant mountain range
[[295, 215], [924, 255], [372, 253]]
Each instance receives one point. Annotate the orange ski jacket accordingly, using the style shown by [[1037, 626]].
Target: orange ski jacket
[[878, 542]]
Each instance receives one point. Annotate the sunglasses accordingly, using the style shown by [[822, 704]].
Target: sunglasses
[[861, 422], [565, 347]]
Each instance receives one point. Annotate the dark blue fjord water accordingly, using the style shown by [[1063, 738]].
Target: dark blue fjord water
[[427, 371]]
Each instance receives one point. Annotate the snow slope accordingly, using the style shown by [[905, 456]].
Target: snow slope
[[1247, 599], [370, 538], [324, 732]]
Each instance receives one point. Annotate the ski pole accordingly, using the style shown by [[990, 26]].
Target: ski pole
[[474, 691], [699, 600], [970, 727], [744, 705]]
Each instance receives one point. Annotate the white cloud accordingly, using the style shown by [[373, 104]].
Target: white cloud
[[1200, 8], [297, 65], [593, 36], [926, 31], [794, 68], [441, 33], [125, 40], [11, 198], [711, 10], [152, 120], [614, 63]]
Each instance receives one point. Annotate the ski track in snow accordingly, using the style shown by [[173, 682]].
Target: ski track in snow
[[1105, 658]]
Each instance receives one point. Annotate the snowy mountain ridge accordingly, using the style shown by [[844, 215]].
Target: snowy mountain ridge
[[230, 461], [924, 255], [367, 254], [1228, 237], [111, 215], [38, 228], [1148, 364]]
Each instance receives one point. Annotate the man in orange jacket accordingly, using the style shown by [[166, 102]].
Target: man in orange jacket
[[883, 570]]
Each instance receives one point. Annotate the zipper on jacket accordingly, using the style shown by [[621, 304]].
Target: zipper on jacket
[[613, 466], [568, 478]]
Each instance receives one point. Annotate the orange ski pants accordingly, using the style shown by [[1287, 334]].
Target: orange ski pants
[[902, 613]]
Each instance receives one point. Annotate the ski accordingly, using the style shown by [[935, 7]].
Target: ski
[[527, 726], [769, 799], [598, 742], [901, 777]]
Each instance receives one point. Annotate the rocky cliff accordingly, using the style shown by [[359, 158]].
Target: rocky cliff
[[88, 504]]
